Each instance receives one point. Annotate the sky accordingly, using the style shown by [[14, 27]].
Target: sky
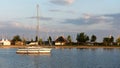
[[60, 17]]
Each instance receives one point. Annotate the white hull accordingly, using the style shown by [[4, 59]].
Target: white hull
[[34, 50]]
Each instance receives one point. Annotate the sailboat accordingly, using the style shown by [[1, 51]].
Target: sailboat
[[34, 49]]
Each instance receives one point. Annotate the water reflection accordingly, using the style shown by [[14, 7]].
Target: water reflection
[[62, 58]]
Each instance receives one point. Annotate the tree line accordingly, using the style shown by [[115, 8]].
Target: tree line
[[81, 38]]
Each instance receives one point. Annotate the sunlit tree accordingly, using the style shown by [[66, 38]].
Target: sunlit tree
[[118, 41], [40, 41]]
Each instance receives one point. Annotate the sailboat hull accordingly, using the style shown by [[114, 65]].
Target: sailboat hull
[[34, 51]]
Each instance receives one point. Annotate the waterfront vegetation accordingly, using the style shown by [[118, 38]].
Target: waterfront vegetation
[[81, 38]]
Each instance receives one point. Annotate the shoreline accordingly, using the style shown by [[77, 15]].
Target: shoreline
[[57, 47]]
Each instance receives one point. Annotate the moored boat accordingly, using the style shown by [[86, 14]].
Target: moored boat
[[34, 50]]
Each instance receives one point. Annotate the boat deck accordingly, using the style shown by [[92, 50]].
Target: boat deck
[[34, 50]]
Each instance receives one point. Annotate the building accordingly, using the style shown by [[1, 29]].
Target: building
[[60, 41], [19, 43], [33, 43], [5, 42]]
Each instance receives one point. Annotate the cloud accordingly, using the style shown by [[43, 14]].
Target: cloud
[[86, 16], [14, 26], [55, 10], [19, 27], [62, 2], [96, 22], [100, 26], [115, 19], [63, 11], [41, 18]]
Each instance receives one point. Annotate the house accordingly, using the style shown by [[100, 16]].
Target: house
[[5, 42], [19, 43], [60, 41]]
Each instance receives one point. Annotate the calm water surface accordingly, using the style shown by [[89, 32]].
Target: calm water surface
[[62, 58]]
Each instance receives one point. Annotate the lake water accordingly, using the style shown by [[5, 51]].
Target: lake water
[[62, 58]]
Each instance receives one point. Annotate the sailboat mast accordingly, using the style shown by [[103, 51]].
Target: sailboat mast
[[37, 32]]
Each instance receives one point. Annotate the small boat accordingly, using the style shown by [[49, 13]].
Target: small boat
[[34, 50]]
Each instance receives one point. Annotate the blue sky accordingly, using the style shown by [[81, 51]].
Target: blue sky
[[60, 17]]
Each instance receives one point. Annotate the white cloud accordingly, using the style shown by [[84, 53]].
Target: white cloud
[[69, 1], [104, 17], [62, 2], [18, 27], [63, 11], [90, 22], [93, 27], [86, 16], [14, 25], [100, 17], [41, 18], [100, 26]]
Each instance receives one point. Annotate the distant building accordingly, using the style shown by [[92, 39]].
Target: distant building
[[60, 41], [33, 43], [19, 43], [5, 42]]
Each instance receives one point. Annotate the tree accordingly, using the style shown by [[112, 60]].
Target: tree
[[111, 39], [50, 40], [118, 41], [87, 38], [69, 39], [16, 38], [93, 38], [82, 38], [108, 40], [40, 41], [36, 39], [24, 41]]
